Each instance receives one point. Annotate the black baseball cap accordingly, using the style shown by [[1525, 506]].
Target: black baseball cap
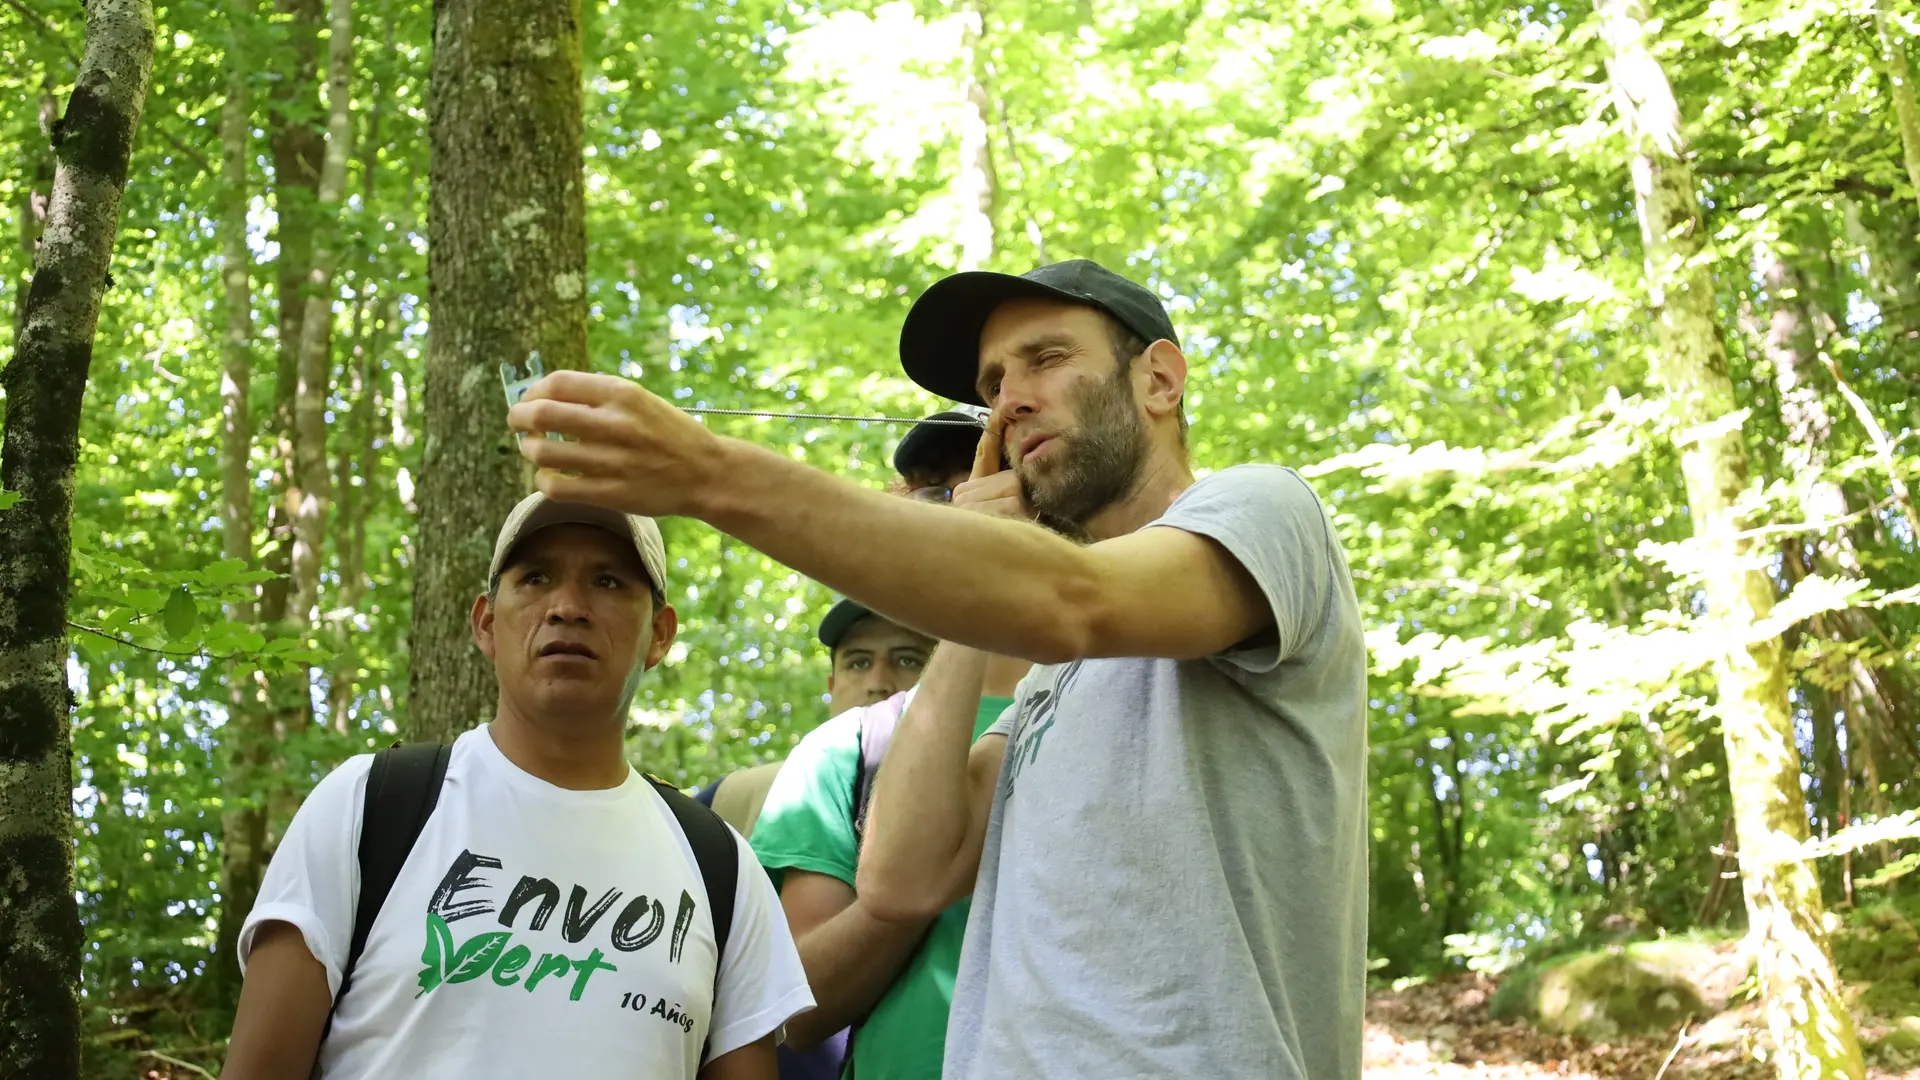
[[840, 619], [940, 342], [940, 444]]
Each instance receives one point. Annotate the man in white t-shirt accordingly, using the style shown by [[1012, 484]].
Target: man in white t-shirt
[[524, 934]]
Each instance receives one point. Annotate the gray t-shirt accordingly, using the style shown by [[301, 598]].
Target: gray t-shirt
[[1174, 882]]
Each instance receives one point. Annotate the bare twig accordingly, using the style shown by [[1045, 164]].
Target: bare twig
[[45, 28], [1673, 1053], [1881, 444], [178, 1064]]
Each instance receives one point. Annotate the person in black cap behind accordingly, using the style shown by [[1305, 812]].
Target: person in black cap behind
[[1166, 838]]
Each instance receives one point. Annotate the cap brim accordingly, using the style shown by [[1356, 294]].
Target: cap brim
[[840, 619], [940, 341], [935, 448]]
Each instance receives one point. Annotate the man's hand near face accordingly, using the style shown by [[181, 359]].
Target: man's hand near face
[[932, 797], [993, 488]]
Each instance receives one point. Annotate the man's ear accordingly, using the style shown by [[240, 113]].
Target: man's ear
[[666, 623], [482, 622], [1164, 368]]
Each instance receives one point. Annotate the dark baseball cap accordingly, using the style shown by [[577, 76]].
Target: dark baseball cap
[[939, 444], [840, 619], [940, 342]]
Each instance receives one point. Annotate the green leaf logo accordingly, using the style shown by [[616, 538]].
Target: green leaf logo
[[439, 945], [476, 956]]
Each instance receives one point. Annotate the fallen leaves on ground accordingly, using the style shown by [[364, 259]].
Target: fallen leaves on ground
[[1441, 1029]]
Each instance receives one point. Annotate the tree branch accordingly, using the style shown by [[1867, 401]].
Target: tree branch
[[177, 1063], [128, 642], [186, 151], [46, 29]]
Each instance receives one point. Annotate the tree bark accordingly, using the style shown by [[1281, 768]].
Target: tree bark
[[977, 183], [243, 820], [32, 212], [506, 262], [1900, 74], [1809, 1023], [298, 148], [46, 380], [314, 368]]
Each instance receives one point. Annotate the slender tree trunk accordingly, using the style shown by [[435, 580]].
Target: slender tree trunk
[[1900, 74], [355, 461], [32, 212], [506, 265], [1811, 1029], [248, 731], [976, 183], [45, 382], [314, 368], [298, 149]]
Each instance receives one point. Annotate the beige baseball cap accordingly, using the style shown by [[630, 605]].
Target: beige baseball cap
[[536, 512]]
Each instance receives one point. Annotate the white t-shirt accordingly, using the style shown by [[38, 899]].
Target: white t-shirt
[[534, 931]]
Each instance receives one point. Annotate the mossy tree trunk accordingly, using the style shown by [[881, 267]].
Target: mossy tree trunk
[[506, 262], [1806, 1017], [46, 381]]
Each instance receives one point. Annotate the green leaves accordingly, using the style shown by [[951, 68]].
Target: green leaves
[[476, 955], [8, 498], [180, 615], [446, 965], [437, 949]]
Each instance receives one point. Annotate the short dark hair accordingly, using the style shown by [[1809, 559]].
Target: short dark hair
[[1126, 345]]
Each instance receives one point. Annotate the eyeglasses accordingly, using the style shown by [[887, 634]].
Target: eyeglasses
[[936, 493]]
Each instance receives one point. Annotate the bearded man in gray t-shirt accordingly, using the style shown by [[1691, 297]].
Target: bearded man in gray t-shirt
[[1165, 837]]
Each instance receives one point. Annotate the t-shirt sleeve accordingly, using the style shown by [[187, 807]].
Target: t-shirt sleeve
[[762, 984], [1009, 716], [1270, 520], [313, 881], [807, 820]]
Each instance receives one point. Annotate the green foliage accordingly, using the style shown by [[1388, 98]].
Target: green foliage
[[1398, 241]]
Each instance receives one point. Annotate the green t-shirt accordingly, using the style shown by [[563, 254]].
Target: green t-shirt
[[807, 824]]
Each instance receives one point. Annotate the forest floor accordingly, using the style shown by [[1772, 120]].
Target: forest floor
[[1442, 1030]]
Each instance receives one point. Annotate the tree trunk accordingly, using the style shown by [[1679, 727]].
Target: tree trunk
[[1900, 74], [243, 740], [1811, 1029], [34, 194], [45, 382], [506, 263], [356, 459], [298, 148], [314, 368], [976, 183], [297, 151]]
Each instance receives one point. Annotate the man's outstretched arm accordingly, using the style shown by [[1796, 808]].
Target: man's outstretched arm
[[283, 1008], [1000, 585]]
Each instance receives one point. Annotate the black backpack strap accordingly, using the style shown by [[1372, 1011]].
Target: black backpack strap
[[402, 789], [718, 859], [715, 853], [876, 731]]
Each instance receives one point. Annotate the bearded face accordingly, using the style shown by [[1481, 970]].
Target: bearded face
[[1093, 463]]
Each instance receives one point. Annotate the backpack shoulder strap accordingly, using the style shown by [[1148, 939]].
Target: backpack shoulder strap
[[714, 852], [876, 731], [402, 789]]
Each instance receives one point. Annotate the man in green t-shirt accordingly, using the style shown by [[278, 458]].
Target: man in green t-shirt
[[893, 983]]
